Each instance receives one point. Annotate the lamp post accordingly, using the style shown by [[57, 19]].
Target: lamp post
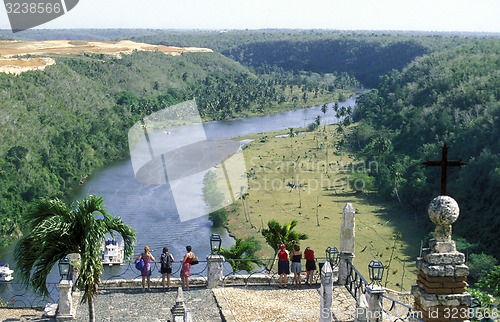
[[64, 268], [376, 271], [332, 255], [215, 263], [215, 243], [65, 309]]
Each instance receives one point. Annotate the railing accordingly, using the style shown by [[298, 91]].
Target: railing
[[355, 283], [127, 276], [393, 310], [396, 309], [13, 294], [264, 274]]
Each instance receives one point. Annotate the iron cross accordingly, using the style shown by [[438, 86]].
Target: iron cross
[[444, 163]]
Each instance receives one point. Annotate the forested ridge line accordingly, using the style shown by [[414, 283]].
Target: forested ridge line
[[452, 97], [60, 125], [364, 55]]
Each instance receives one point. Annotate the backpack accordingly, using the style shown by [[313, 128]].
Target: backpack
[[166, 260], [140, 264]]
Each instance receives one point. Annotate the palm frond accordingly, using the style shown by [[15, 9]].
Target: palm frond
[[58, 230]]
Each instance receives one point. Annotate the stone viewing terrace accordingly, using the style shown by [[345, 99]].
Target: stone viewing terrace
[[258, 300], [339, 293]]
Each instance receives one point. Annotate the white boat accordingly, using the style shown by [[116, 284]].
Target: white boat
[[5, 273], [112, 252]]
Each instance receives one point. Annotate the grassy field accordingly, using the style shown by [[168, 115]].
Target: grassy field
[[276, 161]]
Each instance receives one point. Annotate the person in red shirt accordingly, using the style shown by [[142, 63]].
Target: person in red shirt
[[310, 265], [283, 266]]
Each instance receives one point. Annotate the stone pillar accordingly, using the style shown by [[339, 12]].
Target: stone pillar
[[179, 309], [65, 308], [346, 242], [215, 270], [440, 293], [325, 313], [374, 300]]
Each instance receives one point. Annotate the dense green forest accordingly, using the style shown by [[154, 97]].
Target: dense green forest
[[450, 97], [60, 125], [365, 60]]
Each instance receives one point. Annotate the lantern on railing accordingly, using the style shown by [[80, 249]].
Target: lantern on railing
[[215, 243], [332, 255], [64, 266], [376, 271]]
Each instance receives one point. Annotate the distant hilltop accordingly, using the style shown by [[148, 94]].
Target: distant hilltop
[[11, 62]]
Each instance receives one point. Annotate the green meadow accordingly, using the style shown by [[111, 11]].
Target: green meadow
[[288, 178]]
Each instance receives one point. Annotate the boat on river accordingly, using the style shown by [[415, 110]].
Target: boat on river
[[5, 273], [112, 252]]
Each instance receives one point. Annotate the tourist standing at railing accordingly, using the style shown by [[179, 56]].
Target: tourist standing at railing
[[186, 268], [147, 257], [296, 265], [283, 266], [310, 265], [166, 259]]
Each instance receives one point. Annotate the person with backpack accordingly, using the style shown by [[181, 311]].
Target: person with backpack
[[166, 260], [147, 257]]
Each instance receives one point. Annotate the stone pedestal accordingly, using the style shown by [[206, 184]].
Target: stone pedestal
[[215, 270], [65, 308], [325, 314], [179, 310], [374, 300], [369, 307], [440, 293]]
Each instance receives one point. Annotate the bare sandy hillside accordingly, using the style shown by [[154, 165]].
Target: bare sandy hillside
[[10, 50]]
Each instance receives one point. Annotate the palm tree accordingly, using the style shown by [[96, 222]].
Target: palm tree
[[276, 235], [241, 255], [56, 230], [324, 109], [243, 194]]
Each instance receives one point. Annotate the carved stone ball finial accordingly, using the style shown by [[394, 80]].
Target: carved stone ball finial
[[443, 212]]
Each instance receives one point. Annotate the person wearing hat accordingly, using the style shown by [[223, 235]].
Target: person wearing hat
[[283, 266]]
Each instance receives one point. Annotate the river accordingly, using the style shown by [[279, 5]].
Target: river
[[149, 208]]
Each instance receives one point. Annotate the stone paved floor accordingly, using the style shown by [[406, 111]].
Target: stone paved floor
[[245, 304], [135, 305], [263, 304]]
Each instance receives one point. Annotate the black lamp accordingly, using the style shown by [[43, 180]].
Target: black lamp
[[376, 270], [215, 243], [332, 255], [64, 268]]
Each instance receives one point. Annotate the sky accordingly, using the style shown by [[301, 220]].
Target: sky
[[418, 15]]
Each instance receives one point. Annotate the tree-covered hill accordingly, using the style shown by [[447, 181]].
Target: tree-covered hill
[[61, 124], [451, 97], [366, 60]]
